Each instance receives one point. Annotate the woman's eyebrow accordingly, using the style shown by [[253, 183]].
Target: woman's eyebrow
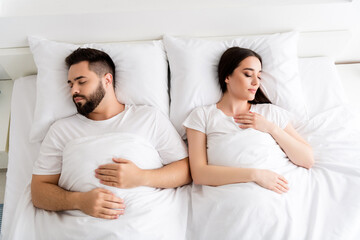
[[251, 69]]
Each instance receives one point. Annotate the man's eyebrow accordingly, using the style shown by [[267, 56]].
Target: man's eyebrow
[[69, 81]]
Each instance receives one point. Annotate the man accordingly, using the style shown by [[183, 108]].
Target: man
[[91, 78]]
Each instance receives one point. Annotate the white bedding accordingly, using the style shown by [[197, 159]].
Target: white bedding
[[25, 153], [322, 203], [150, 213]]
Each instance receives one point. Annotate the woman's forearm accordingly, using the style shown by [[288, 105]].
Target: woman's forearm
[[219, 175], [298, 151]]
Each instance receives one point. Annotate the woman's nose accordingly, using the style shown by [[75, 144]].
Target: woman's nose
[[255, 81]]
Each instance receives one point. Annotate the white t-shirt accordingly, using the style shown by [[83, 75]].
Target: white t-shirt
[[144, 121], [229, 145]]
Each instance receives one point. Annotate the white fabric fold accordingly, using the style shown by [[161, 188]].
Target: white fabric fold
[[322, 203], [150, 213]]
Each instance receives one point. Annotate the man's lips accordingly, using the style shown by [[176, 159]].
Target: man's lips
[[77, 99]]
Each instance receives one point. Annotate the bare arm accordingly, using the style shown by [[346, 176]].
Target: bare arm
[[295, 147], [125, 174], [46, 194], [172, 175], [212, 175]]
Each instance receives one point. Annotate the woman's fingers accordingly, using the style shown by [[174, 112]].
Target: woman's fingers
[[245, 121], [283, 179], [281, 185], [280, 189]]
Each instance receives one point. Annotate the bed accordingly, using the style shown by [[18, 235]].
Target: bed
[[314, 95]]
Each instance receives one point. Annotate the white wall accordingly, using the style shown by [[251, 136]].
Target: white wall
[[56, 7], [149, 19]]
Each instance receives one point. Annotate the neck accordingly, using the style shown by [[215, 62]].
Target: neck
[[108, 108], [231, 106]]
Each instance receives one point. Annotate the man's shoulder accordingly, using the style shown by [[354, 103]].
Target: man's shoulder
[[65, 121], [145, 109]]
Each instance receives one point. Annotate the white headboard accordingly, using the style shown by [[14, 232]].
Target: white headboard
[[18, 62], [326, 26]]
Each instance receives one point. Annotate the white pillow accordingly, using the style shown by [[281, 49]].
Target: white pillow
[[322, 86], [141, 78], [194, 82]]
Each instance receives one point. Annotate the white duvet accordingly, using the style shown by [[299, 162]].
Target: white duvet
[[150, 213], [322, 203]]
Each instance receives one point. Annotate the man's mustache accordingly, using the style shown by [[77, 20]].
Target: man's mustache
[[78, 95]]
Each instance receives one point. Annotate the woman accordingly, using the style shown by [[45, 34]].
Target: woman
[[242, 102], [241, 139]]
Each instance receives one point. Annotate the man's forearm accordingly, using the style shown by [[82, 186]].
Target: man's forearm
[[170, 176], [49, 196]]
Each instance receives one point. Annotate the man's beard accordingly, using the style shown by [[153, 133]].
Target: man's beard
[[90, 103]]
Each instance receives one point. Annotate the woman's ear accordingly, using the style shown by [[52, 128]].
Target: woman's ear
[[227, 79]]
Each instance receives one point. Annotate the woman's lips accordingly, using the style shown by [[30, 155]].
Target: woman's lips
[[252, 90]]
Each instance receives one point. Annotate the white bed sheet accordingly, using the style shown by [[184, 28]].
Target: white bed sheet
[[151, 213], [23, 153], [322, 203]]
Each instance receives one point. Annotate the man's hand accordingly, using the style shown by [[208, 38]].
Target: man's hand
[[121, 174], [101, 203]]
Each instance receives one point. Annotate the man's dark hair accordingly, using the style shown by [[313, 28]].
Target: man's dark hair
[[99, 61]]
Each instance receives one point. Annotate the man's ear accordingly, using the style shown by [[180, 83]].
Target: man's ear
[[108, 79]]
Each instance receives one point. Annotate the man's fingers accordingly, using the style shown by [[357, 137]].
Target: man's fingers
[[120, 160], [105, 178], [110, 196], [105, 171], [109, 166], [108, 215], [111, 184], [104, 216], [103, 190], [108, 211], [112, 205], [113, 198]]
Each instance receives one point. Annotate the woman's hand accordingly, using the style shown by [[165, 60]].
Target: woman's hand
[[271, 180], [255, 121]]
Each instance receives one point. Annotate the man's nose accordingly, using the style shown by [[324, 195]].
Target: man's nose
[[74, 90]]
